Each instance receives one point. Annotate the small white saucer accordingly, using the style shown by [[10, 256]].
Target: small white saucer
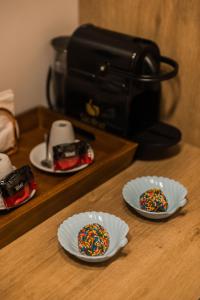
[[37, 154]]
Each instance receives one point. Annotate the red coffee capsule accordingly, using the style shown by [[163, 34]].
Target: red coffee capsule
[[17, 187], [69, 156]]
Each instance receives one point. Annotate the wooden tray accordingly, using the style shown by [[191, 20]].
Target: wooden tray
[[112, 154]]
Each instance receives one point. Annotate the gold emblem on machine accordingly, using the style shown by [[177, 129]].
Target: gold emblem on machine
[[91, 109]]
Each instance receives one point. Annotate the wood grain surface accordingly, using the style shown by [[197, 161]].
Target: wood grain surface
[[174, 25], [55, 192], [160, 261]]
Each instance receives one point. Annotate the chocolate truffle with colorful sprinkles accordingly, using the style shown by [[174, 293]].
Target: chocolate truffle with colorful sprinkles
[[93, 240], [153, 200]]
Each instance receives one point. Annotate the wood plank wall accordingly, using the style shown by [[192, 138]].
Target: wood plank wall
[[175, 26]]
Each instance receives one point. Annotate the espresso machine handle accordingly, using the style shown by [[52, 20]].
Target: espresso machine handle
[[160, 76], [48, 85], [153, 78]]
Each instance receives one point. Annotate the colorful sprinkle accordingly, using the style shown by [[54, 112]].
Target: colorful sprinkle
[[93, 240], [153, 200]]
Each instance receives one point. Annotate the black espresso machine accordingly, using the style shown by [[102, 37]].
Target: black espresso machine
[[112, 81]]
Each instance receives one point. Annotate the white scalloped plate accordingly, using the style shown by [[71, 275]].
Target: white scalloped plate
[[69, 229], [174, 191]]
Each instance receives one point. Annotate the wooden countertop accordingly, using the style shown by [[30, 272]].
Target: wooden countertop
[[161, 260]]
